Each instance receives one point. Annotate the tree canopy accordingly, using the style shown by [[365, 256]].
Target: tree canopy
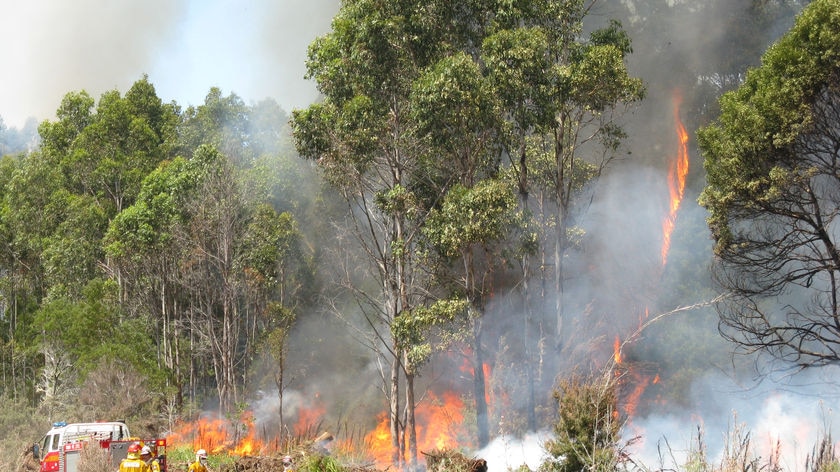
[[773, 195]]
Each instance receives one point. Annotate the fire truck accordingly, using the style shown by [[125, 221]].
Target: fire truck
[[61, 448]]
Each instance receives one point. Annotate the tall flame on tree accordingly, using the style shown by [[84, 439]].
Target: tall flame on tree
[[636, 381], [677, 173]]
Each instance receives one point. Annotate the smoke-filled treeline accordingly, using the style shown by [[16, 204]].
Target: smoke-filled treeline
[[191, 248], [143, 237]]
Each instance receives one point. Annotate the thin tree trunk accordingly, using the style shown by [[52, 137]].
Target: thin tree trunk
[[394, 412], [410, 421], [480, 390]]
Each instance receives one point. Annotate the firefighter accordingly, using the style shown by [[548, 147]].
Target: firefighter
[[287, 464], [200, 464], [146, 455], [133, 462]]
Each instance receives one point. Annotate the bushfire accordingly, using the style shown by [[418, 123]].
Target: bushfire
[[439, 417], [633, 381], [440, 425]]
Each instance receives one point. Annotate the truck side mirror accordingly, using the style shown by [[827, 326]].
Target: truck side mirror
[[36, 452]]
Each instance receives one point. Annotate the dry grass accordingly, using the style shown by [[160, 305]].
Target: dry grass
[[740, 455]]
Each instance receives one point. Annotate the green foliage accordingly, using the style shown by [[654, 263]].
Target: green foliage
[[480, 215], [414, 330], [586, 434], [93, 329], [397, 200], [147, 225], [271, 243], [516, 63], [748, 144], [454, 105], [72, 251], [319, 463]]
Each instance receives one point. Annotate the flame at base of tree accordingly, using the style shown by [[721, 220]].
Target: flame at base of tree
[[242, 436], [440, 425]]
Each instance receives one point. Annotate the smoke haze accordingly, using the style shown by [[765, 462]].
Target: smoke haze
[[255, 49]]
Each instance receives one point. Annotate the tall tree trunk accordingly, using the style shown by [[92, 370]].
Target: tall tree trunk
[[561, 222], [410, 426], [480, 389], [394, 409], [526, 297]]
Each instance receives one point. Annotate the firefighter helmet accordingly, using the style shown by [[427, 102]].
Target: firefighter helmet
[[201, 454], [145, 451]]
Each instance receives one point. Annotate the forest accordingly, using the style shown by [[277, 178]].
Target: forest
[[596, 221]]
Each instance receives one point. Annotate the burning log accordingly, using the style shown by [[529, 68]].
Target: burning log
[[452, 461], [320, 443]]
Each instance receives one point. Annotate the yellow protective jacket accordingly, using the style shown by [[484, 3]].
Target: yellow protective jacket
[[197, 467], [154, 465], [134, 465]]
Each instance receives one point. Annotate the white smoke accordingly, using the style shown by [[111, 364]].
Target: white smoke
[[509, 453], [255, 49], [777, 420]]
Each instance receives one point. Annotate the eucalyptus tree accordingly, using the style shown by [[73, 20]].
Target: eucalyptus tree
[[457, 113], [772, 194], [562, 94], [142, 247], [102, 154], [17, 282], [222, 122], [277, 273], [175, 249], [362, 137]]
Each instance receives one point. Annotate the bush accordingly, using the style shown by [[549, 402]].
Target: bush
[[22, 426], [95, 459], [586, 435]]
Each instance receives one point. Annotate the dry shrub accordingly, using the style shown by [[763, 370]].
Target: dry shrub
[[26, 462], [21, 426], [114, 391], [95, 459], [453, 461]]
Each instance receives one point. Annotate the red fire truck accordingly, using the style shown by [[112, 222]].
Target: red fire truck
[[61, 448]]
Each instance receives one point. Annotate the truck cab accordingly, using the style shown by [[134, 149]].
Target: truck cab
[[64, 437]]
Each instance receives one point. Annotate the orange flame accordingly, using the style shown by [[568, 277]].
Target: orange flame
[[216, 435], [617, 350], [308, 418], [677, 172], [440, 425]]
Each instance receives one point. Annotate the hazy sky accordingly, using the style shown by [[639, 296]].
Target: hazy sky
[[254, 48]]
